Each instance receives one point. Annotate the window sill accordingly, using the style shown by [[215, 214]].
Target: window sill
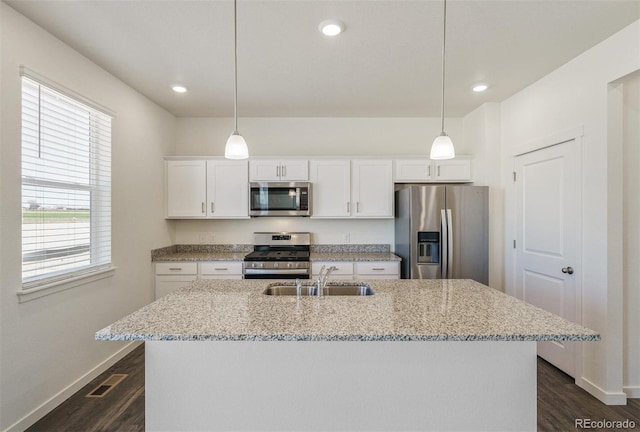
[[55, 287]]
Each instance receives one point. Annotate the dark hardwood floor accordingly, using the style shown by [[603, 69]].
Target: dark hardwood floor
[[560, 403]]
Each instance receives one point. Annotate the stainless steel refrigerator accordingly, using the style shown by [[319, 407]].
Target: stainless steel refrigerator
[[441, 232]]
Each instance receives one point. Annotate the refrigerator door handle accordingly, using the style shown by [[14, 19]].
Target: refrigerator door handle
[[449, 245], [444, 255]]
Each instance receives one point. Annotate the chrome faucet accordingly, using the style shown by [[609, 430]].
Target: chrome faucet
[[323, 277]]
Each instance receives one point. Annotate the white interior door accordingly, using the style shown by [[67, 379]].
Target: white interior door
[[548, 215]]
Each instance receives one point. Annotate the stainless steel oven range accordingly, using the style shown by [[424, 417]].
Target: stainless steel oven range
[[278, 255]]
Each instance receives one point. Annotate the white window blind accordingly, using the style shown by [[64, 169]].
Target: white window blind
[[66, 187]]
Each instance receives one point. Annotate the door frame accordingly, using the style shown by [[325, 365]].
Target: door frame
[[574, 134]]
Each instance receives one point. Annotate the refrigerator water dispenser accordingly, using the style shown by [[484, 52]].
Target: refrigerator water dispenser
[[428, 247]]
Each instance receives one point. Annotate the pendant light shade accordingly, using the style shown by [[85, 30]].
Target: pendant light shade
[[442, 147], [236, 147]]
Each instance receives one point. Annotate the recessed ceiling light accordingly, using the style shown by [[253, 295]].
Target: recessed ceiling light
[[179, 88], [480, 87], [331, 27]]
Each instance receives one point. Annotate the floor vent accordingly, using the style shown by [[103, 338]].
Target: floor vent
[[107, 385]]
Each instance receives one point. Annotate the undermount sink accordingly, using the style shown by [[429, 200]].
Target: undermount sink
[[332, 289]]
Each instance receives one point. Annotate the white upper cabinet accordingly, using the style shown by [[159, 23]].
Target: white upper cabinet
[[331, 188], [279, 170], [186, 188], [452, 170], [426, 170], [344, 188], [207, 189], [413, 170], [227, 189], [372, 188]]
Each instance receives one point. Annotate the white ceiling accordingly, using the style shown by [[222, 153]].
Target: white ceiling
[[387, 62]]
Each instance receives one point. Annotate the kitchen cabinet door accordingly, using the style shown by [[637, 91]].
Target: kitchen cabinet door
[[377, 270], [294, 170], [344, 269], [220, 270], [186, 193], [264, 170], [372, 188], [279, 170], [331, 188], [452, 170], [174, 275], [413, 170], [227, 189]]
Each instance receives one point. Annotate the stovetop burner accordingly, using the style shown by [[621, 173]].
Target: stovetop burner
[[278, 256]]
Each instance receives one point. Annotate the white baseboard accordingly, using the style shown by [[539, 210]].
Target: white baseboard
[[633, 392], [608, 398], [39, 412]]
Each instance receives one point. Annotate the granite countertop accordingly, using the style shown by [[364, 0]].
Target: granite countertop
[[200, 256], [237, 253], [353, 256], [400, 310]]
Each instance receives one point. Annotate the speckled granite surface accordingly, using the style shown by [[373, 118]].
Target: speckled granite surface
[[353, 252], [201, 253], [400, 310], [353, 256], [351, 248]]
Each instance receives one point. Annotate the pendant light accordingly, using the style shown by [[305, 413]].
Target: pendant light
[[236, 147], [442, 147]]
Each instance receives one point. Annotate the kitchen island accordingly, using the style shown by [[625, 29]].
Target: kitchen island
[[417, 355]]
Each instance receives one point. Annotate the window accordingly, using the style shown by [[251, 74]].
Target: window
[[66, 187]]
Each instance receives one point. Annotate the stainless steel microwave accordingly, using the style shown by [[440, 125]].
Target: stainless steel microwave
[[279, 199]]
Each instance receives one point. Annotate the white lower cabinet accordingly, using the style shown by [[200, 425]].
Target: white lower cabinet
[[174, 275], [344, 269], [377, 270], [221, 270], [349, 270]]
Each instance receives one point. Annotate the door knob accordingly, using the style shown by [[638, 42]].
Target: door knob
[[568, 270]]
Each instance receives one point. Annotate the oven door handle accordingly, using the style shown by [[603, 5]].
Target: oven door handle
[[302, 271]]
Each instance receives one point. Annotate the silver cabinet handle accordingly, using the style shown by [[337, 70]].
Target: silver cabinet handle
[[175, 268], [428, 170], [278, 171], [567, 270], [203, 210], [212, 207], [357, 206], [450, 246], [438, 170], [348, 207], [377, 269], [284, 170], [221, 269]]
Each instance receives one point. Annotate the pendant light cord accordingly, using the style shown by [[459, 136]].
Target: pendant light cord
[[235, 68], [444, 36]]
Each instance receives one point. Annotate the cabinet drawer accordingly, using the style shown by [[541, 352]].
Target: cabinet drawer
[[378, 267], [177, 268], [343, 268], [221, 268]]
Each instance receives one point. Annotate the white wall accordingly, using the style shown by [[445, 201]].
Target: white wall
[[631, 138], [47, 344], [303, 136], [482, 131], [577, 96]]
